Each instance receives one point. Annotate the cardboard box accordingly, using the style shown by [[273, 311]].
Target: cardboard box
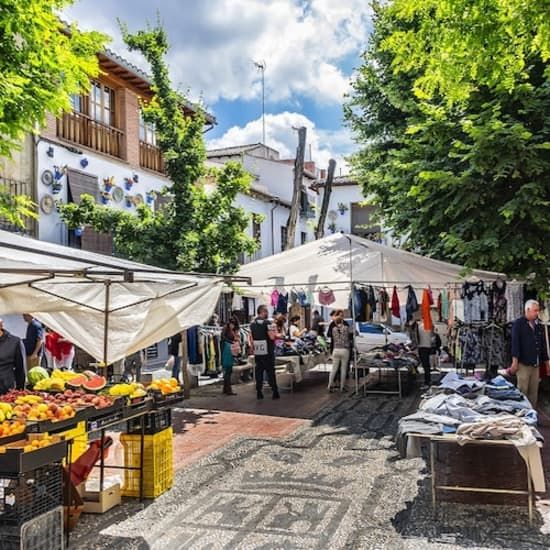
[[99, 502]]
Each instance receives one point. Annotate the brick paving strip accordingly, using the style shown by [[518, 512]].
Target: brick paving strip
[[333, 482]]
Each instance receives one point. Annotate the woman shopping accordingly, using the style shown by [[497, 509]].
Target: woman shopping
[[340, 343], [230, 349]]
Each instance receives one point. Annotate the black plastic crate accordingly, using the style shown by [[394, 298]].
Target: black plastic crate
[[155, 422], [26, 496], [167, 400], [44, 532], [16, 461]]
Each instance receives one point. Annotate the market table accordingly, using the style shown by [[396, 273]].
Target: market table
[[361, 362], [533, 467]]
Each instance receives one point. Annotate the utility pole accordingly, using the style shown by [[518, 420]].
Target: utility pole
[[260, 65], [320, 230], [298, 176]]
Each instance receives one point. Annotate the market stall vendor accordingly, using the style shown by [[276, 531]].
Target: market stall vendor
[[12, 361]]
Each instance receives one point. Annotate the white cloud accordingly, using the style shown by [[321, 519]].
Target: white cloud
[[281, 136], [214, 42]]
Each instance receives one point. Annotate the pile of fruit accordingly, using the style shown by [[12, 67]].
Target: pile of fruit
[[59, 380], [165, 386], [8, 429], [132, 391], [33, 408], [78, 398], [6, 411], [29, 445]]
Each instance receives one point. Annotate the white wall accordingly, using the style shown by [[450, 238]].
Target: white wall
[[275, 179], [50, 227]]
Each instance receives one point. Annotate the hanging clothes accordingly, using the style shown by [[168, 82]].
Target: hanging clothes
[[264, 299], [476, 304], [193, 346], [359, 304], [499, 303], [395, 303], [444, 305], [326, 296], [293, 297], [439, 308], [383, 299], [282, 303], [274, 298], [302, 298], [412, 303], [371, 303], [426, 311]]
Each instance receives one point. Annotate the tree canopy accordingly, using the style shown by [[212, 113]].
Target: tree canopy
[[42, 62], [450, 107], [200, 229]]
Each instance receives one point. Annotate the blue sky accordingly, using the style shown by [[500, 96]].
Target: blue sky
[[310, 48]]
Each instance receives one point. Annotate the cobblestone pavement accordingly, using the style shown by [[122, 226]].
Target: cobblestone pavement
[[336, 483]]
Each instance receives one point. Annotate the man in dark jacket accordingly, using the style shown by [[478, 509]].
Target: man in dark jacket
[[529, 351], [12, 361]]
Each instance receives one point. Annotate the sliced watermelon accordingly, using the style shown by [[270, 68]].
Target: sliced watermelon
[[77, 381], [94, 384]]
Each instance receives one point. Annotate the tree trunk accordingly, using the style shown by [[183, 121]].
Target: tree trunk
[[320, 230], [298, 176]]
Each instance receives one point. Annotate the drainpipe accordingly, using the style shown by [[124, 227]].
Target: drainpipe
[[275, 201]]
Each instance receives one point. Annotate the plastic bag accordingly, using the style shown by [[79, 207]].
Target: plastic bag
[[170, 363]]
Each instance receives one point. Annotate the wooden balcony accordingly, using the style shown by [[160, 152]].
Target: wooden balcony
[[150, 157], [83, 130]]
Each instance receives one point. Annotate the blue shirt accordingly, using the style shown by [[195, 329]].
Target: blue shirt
[[528, 343], [35, 332]]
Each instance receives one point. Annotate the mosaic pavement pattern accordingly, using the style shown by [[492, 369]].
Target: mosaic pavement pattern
[[335, 484]]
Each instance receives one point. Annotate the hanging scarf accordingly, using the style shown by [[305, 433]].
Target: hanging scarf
[[395, 303], [426, 313]]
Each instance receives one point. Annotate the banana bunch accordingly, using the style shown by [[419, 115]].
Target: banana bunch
[[65, 375], [50, 384], [6, 411], [28, 400], [132, 390]]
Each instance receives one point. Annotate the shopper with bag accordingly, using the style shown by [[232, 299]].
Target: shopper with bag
[[231, 348]]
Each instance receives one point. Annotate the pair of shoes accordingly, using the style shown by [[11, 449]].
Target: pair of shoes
[[259, 395], [343, 390], [331, 390], [276, 395]]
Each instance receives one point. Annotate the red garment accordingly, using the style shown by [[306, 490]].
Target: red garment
[[395, 307], [426, 313], [56, 347], [52, 344]]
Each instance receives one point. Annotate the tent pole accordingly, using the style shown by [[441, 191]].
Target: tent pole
[[353, 351], [106, 322]]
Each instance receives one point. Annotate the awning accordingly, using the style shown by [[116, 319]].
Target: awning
[[107, 306]]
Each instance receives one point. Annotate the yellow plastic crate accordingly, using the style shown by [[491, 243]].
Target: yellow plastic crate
[[158, 463], [79, 435]]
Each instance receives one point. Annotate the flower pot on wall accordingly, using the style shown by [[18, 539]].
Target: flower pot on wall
[[128, 183]]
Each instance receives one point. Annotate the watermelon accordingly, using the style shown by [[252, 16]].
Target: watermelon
[[36, 374], [77, 381], [94, 384]]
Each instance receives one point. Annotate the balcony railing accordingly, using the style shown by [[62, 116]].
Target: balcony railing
[[16, 187], [83, 130], [150, 157]]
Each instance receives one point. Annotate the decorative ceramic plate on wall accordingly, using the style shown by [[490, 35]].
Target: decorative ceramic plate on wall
[[47, 177], [117, 193], [47, 204], [138, 199]]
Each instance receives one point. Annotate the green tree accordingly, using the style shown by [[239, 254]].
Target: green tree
[[455, 155], [200, 229], [42, 62]]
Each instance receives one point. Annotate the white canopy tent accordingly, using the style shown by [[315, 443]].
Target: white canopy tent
[[339, 260], [107, 306]]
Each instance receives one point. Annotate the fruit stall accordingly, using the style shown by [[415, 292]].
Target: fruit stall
[[56, 433], [53, 434]]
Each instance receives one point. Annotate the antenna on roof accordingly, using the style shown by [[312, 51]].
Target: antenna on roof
[[261, 65]]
